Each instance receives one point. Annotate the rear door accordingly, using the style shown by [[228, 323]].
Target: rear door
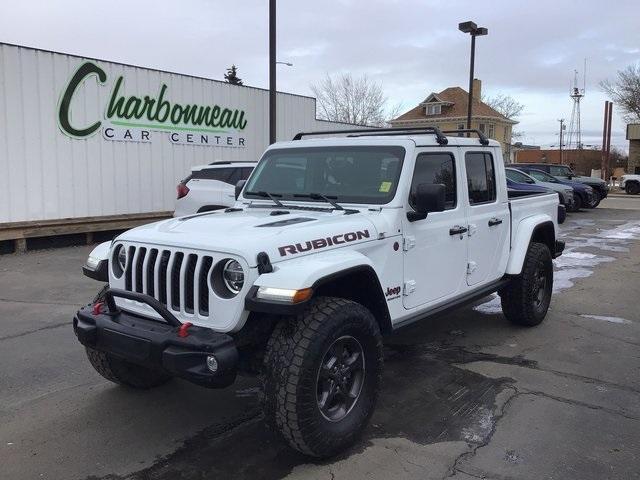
[[435, 257], [488, 218]]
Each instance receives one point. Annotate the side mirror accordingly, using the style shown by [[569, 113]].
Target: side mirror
[[239, 187], [427, 198]]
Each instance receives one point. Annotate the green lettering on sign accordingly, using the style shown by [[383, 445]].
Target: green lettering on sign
[[64, 121], [158, 111]]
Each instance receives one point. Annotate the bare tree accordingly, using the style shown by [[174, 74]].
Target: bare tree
[[359, 101], [625, 92], [505, 105]]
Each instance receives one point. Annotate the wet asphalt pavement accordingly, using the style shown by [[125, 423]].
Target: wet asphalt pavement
[[464, 396]]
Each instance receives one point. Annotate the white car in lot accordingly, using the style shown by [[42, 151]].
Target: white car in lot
[[210, 187], [630, 183]]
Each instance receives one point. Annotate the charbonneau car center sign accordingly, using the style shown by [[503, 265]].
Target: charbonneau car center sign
[[147, 118]]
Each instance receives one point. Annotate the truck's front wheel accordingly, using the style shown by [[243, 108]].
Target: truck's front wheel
[[526, 299], [322, 375], [125, 373]]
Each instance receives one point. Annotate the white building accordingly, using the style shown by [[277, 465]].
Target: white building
[[88, 139]]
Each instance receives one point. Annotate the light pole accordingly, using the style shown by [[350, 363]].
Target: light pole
[[272, 71], [472, 29]]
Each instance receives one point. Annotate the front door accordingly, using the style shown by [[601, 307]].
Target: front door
[[435, 255], [488, 219]]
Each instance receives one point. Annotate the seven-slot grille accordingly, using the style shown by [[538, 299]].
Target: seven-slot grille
[[176, 279]]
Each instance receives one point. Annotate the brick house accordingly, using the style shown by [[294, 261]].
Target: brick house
[[447, 110]]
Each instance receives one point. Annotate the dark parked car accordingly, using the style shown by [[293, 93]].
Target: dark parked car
[[582, 193], [564, 172]]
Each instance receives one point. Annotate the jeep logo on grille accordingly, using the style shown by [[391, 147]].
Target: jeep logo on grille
[[322, 242]]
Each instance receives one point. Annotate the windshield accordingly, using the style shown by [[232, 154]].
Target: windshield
[[542, 176], [518, 176], [346, 174], [560, 171]]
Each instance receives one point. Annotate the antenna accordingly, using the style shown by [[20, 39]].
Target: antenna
[[576, 94]]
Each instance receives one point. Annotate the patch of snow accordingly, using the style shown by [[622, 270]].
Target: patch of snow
[[607, 319]]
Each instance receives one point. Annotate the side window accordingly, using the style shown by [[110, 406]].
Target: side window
[[559, 171], [245, 173], [436, 168], [481, 177], [220, 174], [235, 176]]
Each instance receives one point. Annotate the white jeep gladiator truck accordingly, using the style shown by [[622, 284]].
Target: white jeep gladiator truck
[[333, 243]]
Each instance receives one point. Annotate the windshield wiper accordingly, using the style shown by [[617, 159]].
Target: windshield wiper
[[318, 196], [271, 196]]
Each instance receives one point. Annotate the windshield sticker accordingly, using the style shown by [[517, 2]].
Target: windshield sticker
[[385, 187]]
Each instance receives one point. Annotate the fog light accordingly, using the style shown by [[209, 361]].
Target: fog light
[[212, 363]]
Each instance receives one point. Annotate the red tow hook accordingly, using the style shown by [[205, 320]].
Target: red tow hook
[[182, 331], [97, 308]]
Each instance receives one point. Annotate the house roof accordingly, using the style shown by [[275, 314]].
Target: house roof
[[457, 98]]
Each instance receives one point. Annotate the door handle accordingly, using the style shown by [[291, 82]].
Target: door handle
[[494, 221], [457, 230]]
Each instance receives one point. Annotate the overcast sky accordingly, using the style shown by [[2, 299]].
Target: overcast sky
[[412, 47]]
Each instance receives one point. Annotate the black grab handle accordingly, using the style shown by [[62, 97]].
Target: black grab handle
[[494, 221], [160, 309], [457, 230]]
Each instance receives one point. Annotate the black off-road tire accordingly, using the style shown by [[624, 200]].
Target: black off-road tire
[[632, 188], [295, 352], [522, 300], [125, 373]]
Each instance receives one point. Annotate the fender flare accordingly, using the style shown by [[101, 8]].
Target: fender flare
[[318, 272], [306, 272], [524, 233], [98, 262]]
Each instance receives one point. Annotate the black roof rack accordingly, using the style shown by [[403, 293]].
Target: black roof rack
[[228, 162], [362, 132], [483, 139]]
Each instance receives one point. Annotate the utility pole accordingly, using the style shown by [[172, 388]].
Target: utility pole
[[608, 154], [272, 71], [561, 131]]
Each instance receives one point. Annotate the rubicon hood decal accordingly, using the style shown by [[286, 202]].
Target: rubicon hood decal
[[323, 242]]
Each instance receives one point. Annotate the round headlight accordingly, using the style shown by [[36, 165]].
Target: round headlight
[[122, 258], [233, 276], [119, 261]]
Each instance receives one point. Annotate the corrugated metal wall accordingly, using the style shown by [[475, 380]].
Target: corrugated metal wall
[[46, 174]]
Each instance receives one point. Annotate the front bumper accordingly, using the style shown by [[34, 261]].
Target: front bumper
[[155, 344]]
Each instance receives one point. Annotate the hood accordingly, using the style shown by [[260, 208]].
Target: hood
[[589, 180], [282, 233]]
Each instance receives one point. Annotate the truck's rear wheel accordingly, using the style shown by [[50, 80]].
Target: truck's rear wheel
[[322, 375], [526, 299], [126, 373]]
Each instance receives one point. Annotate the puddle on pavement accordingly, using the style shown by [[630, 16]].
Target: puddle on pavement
[[425, 399]]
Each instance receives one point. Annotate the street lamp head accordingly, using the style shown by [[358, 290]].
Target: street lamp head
[[285, 63], [481, 31], [467, 27]]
